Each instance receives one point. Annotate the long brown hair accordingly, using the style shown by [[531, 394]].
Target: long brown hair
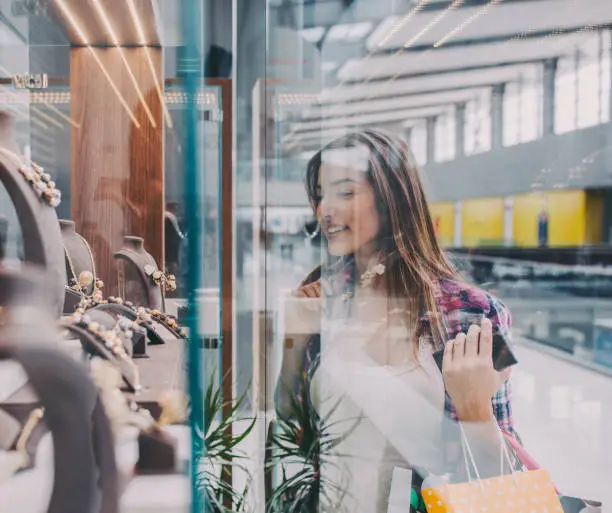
[[410, 250]]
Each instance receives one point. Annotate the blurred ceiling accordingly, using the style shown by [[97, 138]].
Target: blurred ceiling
[[383, 62], [386, 60]]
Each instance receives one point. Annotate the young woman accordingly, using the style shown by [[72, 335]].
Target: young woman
[[390, 298]]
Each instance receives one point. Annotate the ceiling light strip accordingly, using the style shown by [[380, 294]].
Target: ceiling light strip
[[73, 22], [454, 31], [136, 19], [115, 40], [141, 36], [160, 93], [468, 21], [78, 29], [114, 87], [53, 108], [46, 117], [162, 39], [15, 110], [433, 23], [413, 12], [137, 87], [39, 122], [106, 22]]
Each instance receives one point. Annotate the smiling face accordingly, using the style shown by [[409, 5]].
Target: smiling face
[[347, 210]]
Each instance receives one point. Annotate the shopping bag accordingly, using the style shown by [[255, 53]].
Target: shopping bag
[[531, 491]]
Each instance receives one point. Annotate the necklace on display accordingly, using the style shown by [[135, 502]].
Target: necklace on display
[[73, 282], [164, 280], [112, 339], [98, 283], [42, 184], [85, 279]]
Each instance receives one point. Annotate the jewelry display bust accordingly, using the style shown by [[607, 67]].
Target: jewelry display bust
[[80, 264], [42, 238], [135, 268], [65, 401]]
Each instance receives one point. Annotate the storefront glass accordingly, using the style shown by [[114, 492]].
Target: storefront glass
[[276, 303]]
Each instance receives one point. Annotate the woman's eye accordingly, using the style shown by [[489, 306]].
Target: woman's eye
[[345, 194]]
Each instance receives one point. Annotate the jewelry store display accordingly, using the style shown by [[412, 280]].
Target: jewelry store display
[[42, 184], [165, 280], [121, 411], [146, 315], [42, 241], [82, 278], [139, 279], [142, 316], [80, 283], [113, 340], [56, 406]]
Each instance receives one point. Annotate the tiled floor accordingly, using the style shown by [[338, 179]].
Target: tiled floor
[[564, 415]]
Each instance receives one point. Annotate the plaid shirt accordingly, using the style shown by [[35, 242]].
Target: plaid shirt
[[457, 303]]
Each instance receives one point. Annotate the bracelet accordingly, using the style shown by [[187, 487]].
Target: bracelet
[[42, 184], [33, 419], [144, 316]]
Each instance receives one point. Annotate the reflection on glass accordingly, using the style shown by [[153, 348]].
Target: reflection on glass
[[370, 395]]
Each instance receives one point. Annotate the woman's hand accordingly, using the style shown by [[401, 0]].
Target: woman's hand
[[470, 378], [311, 290]]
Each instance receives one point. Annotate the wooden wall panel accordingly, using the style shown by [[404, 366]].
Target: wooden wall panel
[[117, 183]]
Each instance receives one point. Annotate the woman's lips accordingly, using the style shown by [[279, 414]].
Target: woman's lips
[[330, 231]]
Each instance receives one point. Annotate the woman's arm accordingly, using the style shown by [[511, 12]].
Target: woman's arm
[[471, 381]]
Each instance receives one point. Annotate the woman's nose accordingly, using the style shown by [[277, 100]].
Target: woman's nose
[[327, 207]]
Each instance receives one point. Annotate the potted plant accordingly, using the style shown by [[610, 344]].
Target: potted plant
[[300, 443], [218, 452]]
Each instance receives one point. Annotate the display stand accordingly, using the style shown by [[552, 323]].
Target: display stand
[[94, 347], [109, 317], [43, 244], [135, 284], [157, 332], [79, 258], [84, 468]]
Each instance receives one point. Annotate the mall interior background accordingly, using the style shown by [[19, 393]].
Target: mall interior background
[[506, 105]]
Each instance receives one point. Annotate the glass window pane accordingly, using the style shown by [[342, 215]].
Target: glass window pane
[[565, 96], [478, 124], [605, 76], [512, 114], [445, 146]]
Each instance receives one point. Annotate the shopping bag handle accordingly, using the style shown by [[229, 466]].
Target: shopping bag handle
[[468, 454]]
